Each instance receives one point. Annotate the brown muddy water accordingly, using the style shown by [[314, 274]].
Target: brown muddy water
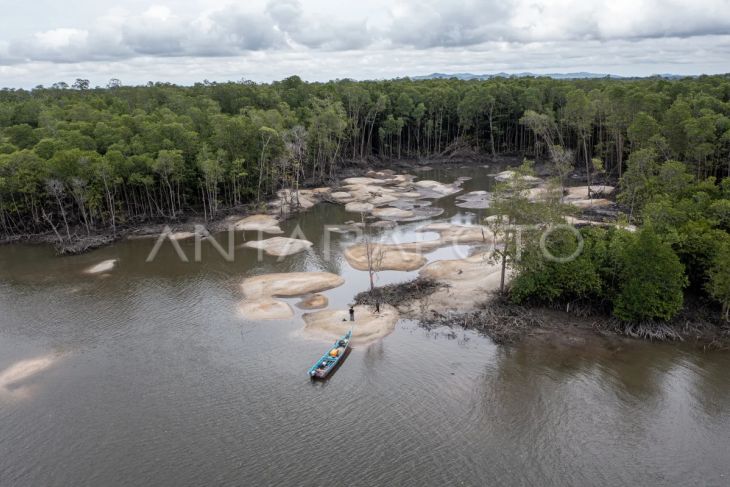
[[148, 375]]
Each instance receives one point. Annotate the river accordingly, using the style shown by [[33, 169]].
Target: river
[[148, 375]]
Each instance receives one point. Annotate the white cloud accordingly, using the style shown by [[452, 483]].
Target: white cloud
[[371, 39]]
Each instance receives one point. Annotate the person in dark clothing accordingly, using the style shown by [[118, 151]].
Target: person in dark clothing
[[377, 306], [352, 313]]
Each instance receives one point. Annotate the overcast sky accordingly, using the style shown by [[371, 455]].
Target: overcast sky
[[43, 41]]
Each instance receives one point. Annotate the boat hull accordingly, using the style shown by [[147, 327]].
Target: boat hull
[[328, 363], [324, 373]]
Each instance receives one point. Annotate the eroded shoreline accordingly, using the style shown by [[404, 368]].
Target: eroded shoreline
[[507, 323]]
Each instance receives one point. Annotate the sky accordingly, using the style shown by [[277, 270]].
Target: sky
[[46, 41]]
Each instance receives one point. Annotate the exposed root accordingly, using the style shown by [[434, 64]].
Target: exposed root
[[646, 331], [502, 322]]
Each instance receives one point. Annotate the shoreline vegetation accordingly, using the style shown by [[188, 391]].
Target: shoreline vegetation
[[82, 168], [506, 322]]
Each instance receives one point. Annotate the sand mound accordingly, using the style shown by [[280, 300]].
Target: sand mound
[[290, 284], [594, 203], [383, 257], [261, 290], [407, 256], [259, 223], [474, 200], [440, 189], [459, 235], [103, 266], [383, 200], [362, 181], [313, 301], [538, 194], [341, 197], [507, 176], [582, 193], [179, 235], [17, 379], [581, 222], [265, 309], [359, 207], [584, 196], [389, 213], [423, 214], [368, 325], [280, 246], [469, 282]]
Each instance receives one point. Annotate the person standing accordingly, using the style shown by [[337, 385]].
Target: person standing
[[352, 313]]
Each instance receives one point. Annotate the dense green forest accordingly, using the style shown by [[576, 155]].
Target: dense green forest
[[82, 159], [76, 160]]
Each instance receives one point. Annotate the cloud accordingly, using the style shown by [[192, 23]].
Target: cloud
[[431, 23], [400, 37], [158, 31], [448, 24], [707, 54]]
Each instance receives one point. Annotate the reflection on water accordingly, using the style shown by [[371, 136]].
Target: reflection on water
[[162, 383]]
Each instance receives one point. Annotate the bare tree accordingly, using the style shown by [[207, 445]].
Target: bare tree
[[56, 188]]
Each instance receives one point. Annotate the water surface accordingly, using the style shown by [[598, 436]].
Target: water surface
[[149, 376]]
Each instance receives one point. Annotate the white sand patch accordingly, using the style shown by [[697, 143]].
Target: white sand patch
[[180, 235], [389, 213], [470, 282], [341, 196], [582, 192], [474, 200], [13, 378], [103, 266], [260, 291], [458, 234], [507, 176], [439, 188], [383, 257], [383, 200], [408, 256], [362, 181], [290, 284], [594, 203], [280, 246], [368, 325], [24, 369], [313, 301], [359, 207], [537, 194], [259, 223], [342, 228], [265, 309], [578, 221]]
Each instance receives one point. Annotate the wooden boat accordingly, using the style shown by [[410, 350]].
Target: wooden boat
[[332, 358]]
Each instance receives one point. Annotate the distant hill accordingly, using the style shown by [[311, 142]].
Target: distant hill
[[579, 75]]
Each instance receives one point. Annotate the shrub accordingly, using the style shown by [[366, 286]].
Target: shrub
[[543, 280], [651, 279]]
